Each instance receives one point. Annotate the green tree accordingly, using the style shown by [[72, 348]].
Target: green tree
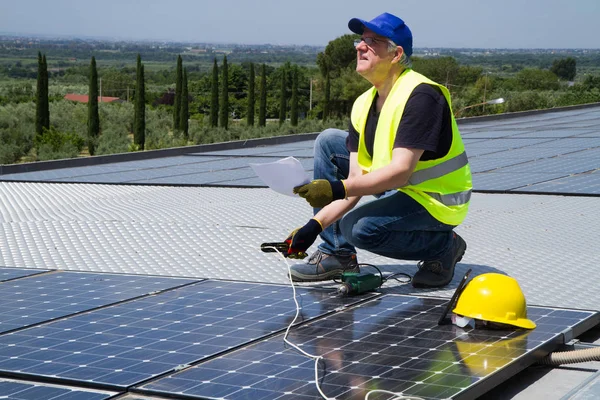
[[224, 111], [536, 79], [565, 68], [443, 70], [178, 97], [339, 54], [139, 127], [283, 94], [326, 98], [294, 101], [591, 82], [42, 109], [46, 114], [251, 101], [214, 98], [262, 109], [116, 83], [93, 123], [184, 111]]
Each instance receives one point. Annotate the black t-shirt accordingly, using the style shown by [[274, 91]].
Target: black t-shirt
[[425, 125]]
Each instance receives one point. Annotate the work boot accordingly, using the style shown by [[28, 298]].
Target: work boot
[[438, 273], [321, 267]]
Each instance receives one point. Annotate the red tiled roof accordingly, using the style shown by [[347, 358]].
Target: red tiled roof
[[83, 98]]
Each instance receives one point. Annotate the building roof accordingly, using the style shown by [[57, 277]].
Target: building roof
[[200, 212], [83, 98]]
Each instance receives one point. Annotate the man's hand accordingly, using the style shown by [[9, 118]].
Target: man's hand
[[302, 238], [321, 192]]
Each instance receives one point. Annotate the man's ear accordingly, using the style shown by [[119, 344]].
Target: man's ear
[[398, 55]]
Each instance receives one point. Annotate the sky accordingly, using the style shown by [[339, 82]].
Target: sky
[[510, 24]]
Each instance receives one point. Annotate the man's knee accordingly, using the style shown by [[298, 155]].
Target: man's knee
[[330, 136], [360, 233]]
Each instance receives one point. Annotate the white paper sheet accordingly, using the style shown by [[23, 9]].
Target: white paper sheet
[[282, 175]]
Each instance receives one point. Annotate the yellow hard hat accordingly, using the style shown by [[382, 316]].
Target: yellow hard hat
[[495, 298]]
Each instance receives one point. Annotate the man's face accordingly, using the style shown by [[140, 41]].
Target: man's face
[[373, 56]]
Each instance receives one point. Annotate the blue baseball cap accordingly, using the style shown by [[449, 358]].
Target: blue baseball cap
[[386, 25]]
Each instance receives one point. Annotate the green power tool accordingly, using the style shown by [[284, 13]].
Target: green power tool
[[354, 283]]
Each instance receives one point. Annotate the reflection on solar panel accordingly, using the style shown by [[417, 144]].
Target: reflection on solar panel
[[7, 274], [390, 343], [41, 298], [118, 346], [20, 390]]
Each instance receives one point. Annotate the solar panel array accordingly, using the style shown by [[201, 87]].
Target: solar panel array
[[53, 295], [224, 339], [391, 343], [118, 346], [555, 152]]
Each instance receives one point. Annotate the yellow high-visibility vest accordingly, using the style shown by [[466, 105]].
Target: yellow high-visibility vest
[[443, 186]]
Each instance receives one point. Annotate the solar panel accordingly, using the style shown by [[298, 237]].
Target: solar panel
[[209, 177], [564, 165], [118, 346], [508, 143], [295, 152], [490, 163], [41, 298], [391, 343], [582, 184], [21, 390], [7, 273], [497, 180]]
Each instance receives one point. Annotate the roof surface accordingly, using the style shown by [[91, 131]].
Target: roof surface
[[203, 214]]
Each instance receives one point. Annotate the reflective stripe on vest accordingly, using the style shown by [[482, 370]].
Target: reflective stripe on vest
[[453, 199], [437, 171]]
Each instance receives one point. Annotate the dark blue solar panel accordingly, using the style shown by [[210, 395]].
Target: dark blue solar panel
[[7, 273], [491, 162], [124, 344], [391, 343], [584, 184], [497, 180], [564, 165], [19, 390], [41, 298]]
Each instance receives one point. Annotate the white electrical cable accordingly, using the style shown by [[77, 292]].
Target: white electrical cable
[[397, 396]]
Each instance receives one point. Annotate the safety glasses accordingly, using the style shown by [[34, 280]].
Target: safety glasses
[[369, 41], [450, 306]]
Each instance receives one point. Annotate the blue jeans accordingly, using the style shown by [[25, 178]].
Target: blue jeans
[[393, 225]]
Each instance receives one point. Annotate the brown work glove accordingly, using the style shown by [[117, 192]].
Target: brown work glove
[[321, 192], [302, 238]]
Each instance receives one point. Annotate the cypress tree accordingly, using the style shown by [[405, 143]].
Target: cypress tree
[[294, 105], [139, 126], [39, 103], [93, 117], [262, 109], [282, 97], [251, 101], [214, 96], [224, 122], [326, 99], [177, 102], [46, 108], [184, 111]]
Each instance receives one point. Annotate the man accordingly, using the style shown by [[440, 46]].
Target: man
[[403, 147]]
